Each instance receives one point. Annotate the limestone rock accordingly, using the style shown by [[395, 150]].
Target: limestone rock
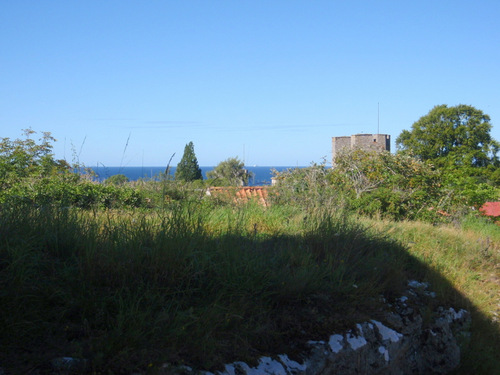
[[400, 345]]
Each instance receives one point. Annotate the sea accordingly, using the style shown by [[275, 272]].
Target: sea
[[260, 175]]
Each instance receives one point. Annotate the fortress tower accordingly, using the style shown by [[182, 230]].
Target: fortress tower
[[368, 142]]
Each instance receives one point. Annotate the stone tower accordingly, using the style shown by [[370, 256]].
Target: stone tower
[[368, 142]]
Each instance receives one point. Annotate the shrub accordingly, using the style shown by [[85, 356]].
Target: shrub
[[117, 179]]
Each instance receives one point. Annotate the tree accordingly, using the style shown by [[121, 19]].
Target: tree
[[230, 172], [21, 158], [458, 136], [188, 169]]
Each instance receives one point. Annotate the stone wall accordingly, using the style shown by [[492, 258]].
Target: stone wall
[[369, 142], [339, 143]]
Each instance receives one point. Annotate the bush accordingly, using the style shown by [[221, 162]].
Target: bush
[[69, 189], [117, 179], [305, 187]]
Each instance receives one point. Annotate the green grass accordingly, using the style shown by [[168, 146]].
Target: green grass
[[207, 284], [463, 259]]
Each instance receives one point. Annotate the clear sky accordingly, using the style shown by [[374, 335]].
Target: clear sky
[[268, 81]]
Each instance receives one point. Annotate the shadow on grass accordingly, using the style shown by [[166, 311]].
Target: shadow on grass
[[128, 292]]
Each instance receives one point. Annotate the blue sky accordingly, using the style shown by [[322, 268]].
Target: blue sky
[[268, 81]]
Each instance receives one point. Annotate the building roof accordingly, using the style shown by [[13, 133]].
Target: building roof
[[242, 194], [490, 209]]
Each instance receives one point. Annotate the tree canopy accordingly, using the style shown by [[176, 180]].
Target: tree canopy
[[457, 135], [230, 172], [188, 168], [26, 157]]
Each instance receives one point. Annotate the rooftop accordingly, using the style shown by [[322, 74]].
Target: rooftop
[[490, 209]]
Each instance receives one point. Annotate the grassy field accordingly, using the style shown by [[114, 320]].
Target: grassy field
[[463, 258], [205, 284]]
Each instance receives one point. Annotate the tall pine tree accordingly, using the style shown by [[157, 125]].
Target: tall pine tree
[[188, 168]]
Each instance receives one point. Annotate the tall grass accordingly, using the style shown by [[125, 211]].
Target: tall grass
[[191, 283], [463, 258]]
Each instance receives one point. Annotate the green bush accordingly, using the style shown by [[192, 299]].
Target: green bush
[[70, 190], [305, 187], [117, 179]]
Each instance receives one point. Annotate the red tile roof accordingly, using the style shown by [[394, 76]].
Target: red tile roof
[[243, 194], [490, 209]]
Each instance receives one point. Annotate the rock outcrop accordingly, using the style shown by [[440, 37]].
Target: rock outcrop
[[403, 344]]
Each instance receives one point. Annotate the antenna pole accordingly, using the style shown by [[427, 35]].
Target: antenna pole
[[378, 118]]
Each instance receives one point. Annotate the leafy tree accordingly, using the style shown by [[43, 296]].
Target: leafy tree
[[465, 189], [26, 157], [188, 168], [455, 136], [230, 172], [494, 177]]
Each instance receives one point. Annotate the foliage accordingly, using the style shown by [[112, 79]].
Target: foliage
[[192, 280], [29, 173], [494, 176], [70, 190], [465, 189], [117, 179], [457, 141], [396, 186], [230, 172], [308, 188], [380, 183], [188, 168], [26, 157], [459, 135]]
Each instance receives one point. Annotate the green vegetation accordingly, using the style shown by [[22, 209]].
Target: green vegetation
[[117, 179], [23, 158], [467, 257], [458, 134], [456, 141], [395, 186], [230, 172], [131, 275], [188, 169]]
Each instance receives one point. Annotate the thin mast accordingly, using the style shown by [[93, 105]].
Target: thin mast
[[378, 118]]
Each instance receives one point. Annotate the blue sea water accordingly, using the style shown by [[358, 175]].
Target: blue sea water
[[261, 175]]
